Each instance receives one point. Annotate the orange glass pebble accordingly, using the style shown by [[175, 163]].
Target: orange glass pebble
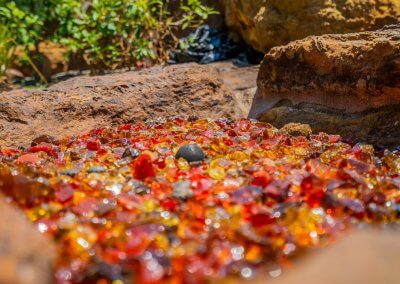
[[29, 159]]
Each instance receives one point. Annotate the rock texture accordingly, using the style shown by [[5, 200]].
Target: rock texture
[[26, 256], [84, 103], [347, 84], [264, 24], [365, 256]]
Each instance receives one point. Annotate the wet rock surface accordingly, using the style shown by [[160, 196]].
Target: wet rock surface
[[265, 24], [344, 84], [22, 259], [83, 103]]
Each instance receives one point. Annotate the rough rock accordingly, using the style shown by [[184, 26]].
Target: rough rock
[[264, 24], [364, 256], [23, 260], [345, 84], [83, 103], [297, 129]]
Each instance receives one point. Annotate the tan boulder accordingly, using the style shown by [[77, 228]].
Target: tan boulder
[[26, 256], [360, 257], [346, 84], [268, 23]]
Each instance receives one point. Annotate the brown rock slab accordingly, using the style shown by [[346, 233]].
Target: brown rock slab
[[370, 256], [83, 103], [341, 84], [26, 256], [266, 24]]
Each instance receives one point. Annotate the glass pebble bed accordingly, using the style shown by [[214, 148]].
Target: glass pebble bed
[[123, 207]]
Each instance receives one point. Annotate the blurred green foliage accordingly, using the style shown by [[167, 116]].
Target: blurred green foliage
[[108, 34], [7, 43]]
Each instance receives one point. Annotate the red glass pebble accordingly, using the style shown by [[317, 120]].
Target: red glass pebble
[[93, 145], [261, 219], [65, 192], [261, 179], [43, 147], [143, 167]]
